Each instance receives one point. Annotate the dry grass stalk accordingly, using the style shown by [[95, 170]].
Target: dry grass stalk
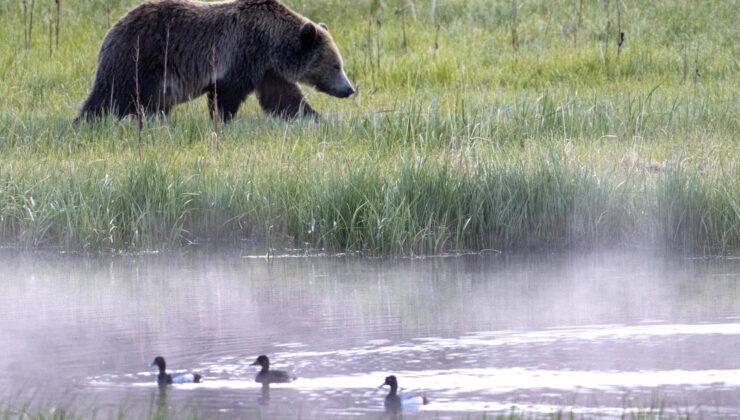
[[436, 40], [139, 110], [514, 35], [620, 36], [58, 20], [26, 33], [50, 36], [377, 43], [579, 19], [163, 102], [402, 12], [369, 50], [216, 113], [606, 34], [30, 23]]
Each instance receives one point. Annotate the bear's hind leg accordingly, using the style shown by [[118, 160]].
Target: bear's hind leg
[[281, 98], [105, 97], [92, 108], [119, 99]]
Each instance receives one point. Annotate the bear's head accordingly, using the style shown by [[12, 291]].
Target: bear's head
[[323, 63]]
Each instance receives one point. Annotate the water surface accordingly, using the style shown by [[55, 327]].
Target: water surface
[[594, 334]]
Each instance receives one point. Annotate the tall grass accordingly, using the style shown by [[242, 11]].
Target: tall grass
[[454, 141]]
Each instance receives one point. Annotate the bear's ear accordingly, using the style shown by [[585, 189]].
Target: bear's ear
[[308, 36], [323, 25]]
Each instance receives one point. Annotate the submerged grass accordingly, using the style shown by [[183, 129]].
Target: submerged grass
[[454, 141], [60, 413], [162, 413]]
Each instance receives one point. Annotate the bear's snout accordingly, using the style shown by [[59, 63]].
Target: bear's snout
[[343, 88], [345, 92]]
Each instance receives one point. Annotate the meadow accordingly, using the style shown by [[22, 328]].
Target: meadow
[[478, 125]]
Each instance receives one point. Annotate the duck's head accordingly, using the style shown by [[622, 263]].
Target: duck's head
[[391, 381], [263, 361], [159, 362]]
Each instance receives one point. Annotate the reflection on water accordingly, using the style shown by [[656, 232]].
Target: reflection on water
[[587, 333], [264, 398], [161, 404]]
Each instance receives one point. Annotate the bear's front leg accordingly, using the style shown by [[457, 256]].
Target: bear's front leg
[[224, 99], [281, 98]]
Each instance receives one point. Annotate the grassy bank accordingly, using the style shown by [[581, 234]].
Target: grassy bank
[[456, 140]]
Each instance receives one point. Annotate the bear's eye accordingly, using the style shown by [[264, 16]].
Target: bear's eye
[[337, 67]]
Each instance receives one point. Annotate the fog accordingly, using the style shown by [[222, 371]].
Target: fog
[[583, 333]]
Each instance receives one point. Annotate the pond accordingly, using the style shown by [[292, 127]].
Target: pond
[[588, 333]]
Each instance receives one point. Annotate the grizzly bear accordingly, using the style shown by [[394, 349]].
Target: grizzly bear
[[166, 52]]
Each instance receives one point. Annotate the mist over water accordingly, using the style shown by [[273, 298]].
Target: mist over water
[[586, 333]]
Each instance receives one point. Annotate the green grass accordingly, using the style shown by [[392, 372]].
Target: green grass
[[565, 142]]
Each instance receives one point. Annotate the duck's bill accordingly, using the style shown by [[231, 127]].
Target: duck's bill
[[254, 363]]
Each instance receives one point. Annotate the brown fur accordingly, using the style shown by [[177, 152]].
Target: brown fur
[[225, 49]]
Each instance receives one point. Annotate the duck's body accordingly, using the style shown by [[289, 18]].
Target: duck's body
[[181, 378], [395, 403], [267, 376], [165, 378]]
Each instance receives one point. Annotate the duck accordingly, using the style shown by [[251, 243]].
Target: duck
[[165, 378], [395, 403], [267, 376]]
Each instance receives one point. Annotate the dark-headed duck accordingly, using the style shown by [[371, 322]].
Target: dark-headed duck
[[267, 376], [165, 378], [395, 402]]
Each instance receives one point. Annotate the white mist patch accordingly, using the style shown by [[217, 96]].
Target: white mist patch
[[493, 381], [599, 332], [508, 407], [592, 333]]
